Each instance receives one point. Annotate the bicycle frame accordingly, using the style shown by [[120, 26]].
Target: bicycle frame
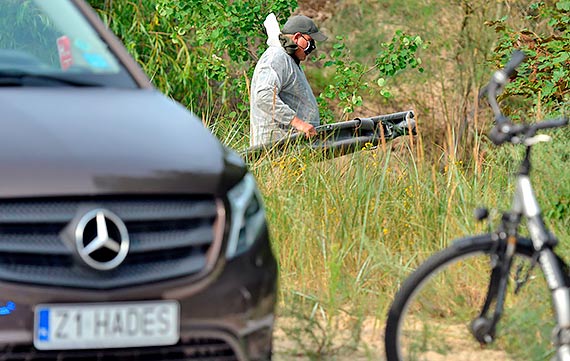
[[525, 205]]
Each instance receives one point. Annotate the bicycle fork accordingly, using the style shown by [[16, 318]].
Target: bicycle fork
[[483, 327], [560, 300]]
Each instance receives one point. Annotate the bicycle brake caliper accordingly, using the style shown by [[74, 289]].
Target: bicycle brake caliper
[[520, 282]]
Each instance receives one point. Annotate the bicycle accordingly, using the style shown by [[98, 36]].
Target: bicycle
[[421, 325]]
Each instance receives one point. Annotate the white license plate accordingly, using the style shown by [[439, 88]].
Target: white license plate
[[106, 325]]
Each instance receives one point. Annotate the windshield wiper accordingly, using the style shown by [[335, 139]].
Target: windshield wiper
[[22, 78]]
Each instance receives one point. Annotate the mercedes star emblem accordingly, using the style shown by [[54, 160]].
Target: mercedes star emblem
[[102, 239]]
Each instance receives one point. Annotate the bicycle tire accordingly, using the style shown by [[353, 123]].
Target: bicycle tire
[[408, 336]]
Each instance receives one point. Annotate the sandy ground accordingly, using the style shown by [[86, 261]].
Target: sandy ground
[[290, 346]]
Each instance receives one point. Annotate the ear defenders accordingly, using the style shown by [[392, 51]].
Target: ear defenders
[[291, 47], [288, 44]]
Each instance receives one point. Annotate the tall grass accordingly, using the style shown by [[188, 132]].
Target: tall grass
[[348, 230]]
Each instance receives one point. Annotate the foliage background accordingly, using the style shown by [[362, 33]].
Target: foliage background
[[347, 231]]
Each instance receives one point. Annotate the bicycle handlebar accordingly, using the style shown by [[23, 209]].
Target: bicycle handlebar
[[516, 59], [500, 79], [505, 130], [508, 132]]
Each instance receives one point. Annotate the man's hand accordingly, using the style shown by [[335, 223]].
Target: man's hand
[[304, 127]]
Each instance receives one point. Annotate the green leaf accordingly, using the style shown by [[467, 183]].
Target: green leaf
[[563, 5]]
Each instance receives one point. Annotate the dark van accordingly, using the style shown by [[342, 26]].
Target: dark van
[[127, 231]]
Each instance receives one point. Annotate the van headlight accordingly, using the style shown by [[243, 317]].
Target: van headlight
[[247, 216]]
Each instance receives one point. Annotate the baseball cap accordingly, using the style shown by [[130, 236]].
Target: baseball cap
[[303, 25]]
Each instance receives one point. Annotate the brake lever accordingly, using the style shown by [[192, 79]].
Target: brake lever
[[539, 138]]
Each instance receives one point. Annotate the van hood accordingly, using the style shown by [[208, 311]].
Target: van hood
[[93, 141]]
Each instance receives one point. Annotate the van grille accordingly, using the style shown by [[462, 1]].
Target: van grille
[[170, 237], [204, 349]]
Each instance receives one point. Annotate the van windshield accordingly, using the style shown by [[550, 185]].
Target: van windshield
[[47, 41]]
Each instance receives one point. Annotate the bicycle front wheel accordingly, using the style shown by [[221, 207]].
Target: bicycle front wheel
[[430, 316]]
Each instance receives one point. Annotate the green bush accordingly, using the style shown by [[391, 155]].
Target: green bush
[[545, 75], [194, 49]]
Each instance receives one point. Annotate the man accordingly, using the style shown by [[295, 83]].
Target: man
[[281, 98]]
